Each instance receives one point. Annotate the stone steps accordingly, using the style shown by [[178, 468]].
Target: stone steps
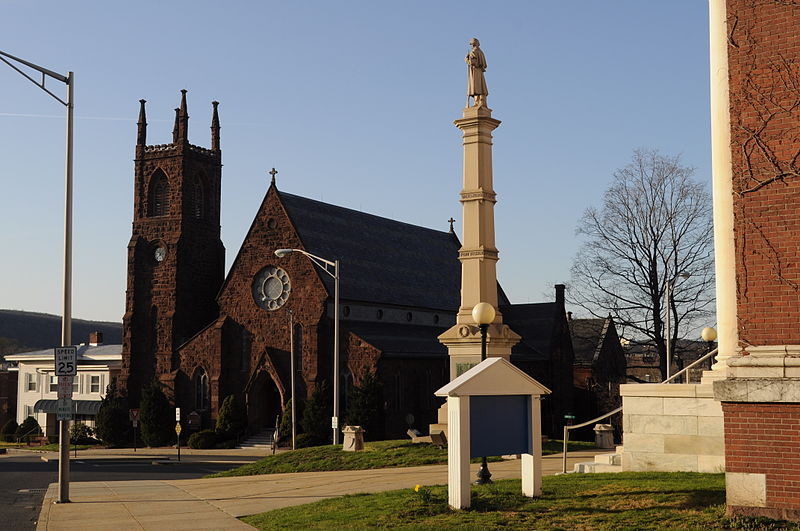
[[601, 463], [265, 439]]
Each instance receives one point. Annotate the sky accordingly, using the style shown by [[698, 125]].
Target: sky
[[353, 103]]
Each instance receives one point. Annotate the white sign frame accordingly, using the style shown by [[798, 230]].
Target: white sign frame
[[66, 361]]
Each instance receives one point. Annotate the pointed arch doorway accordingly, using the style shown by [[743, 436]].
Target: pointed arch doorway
[[264, 404]]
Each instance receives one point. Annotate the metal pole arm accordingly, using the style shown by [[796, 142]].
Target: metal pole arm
[[44, 72]]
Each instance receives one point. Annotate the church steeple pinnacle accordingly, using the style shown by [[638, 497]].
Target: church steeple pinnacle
[[181, 131], [141, 136], [215, 127]]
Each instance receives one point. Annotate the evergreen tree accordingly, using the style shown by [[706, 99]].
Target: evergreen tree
[[285, 427], [29, 428], [156, 416], [316, 416], [232, 419], [364, 407], [9, 429], [111, 424]]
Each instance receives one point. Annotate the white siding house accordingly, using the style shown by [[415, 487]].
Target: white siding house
[[37, 384]]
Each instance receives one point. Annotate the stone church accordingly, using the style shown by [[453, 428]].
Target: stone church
[[206, 335]]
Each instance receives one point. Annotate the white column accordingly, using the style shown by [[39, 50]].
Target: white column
[[532, 463], [458, 478], [722, 171]]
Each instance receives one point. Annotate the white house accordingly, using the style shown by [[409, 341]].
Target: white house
[[37, 385]]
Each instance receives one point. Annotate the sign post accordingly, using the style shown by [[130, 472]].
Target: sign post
[[133, 415], [66, 368], [178, 442]]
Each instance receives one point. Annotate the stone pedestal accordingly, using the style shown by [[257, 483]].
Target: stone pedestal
[[671, 428]]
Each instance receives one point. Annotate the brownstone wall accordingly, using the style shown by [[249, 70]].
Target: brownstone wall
[[764, 60], [765, 439]]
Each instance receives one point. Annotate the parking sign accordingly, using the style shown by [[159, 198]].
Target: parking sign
[[66, 361]]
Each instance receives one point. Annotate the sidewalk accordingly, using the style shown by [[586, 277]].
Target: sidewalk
[[216, 503]]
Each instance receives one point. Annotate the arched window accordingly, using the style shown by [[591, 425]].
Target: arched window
[[201, 390], [197, 198], [159, 194]]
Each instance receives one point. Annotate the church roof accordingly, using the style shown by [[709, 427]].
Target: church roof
[[587, 339], [535, 323], [401, 340], [381, 260]]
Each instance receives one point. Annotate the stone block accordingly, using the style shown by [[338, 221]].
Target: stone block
[[656, 462], [662, 424], [701, 407], [642, 405], [644, 442], [710, 426], [693, 444], [746, 490], [711, 464]]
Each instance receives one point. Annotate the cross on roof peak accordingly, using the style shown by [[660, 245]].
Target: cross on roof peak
[[273, 172], [451, 221]]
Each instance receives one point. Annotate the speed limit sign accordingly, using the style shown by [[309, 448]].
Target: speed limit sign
[[66, 361]]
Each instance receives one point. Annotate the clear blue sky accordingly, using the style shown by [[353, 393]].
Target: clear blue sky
[[353, 103]]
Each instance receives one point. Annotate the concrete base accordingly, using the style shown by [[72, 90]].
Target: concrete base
[[672, 428]]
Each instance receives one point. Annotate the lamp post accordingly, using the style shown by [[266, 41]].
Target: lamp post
[[66, 319], [292, 370], [483, 313], [326, 266], [709, 335], [668, 296]]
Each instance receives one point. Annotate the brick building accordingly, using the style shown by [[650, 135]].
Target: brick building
[[205, 335], [759, 44]]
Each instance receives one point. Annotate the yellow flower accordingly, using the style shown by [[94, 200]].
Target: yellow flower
[[416, 489]]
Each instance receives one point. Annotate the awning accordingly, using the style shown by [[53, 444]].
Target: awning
[[81, 407]]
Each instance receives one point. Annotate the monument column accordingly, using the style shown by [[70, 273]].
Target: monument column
[[478, 253]]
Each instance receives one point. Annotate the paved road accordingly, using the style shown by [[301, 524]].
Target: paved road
[[24, 478]]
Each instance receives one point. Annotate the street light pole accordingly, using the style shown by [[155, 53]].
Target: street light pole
[[326, 266], [483, 313], [292, 369], [668, 296], [66, 316]]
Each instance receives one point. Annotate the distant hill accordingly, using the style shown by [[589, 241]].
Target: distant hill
[[24, 331]]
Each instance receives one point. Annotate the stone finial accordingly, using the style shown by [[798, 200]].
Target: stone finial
[[476, 82], [175, 127], [141, 136], [215, 127], [273, 172], [182, 120]]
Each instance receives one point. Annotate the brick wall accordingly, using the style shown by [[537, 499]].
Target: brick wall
[[765, 439], [764, 66]]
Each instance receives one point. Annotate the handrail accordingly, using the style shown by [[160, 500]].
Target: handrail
[[615, 411]]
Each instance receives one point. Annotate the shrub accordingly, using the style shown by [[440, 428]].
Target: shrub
[[111, 423], [9, 429], [364, 407], [285, 427], [29, 428], [304, 440], [156, 416], [203, 440], [81, 434], [232, 419], [316, 416]]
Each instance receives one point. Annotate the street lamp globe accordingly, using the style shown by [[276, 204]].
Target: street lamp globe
[[708, 334], [483, 313], [280, 253]]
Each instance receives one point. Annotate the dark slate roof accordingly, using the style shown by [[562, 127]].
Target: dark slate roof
[[381, 260], [535, 323], [399, 340], [587, 339]]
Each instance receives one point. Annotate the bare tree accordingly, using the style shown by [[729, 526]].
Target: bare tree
[[653, 228]]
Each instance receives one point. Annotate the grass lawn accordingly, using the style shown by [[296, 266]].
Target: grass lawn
[[379, 454], [626, 501], [53, 447]]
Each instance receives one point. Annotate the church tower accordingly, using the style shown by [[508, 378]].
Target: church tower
[[176, 259]]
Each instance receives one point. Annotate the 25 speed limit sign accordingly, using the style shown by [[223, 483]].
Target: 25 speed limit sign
[[66, 361]]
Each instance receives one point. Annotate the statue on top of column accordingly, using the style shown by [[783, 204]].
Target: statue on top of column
[[476, 82]]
